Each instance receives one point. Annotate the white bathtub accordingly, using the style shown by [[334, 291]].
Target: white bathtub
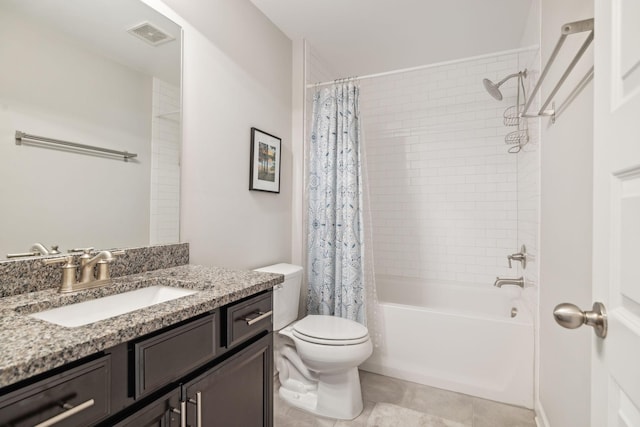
[[457, 337]]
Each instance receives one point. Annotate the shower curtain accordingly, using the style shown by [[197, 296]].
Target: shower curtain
[[334, 187]]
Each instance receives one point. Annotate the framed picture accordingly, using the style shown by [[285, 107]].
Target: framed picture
[[264, 172]]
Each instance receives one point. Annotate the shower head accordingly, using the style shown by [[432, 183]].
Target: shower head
[[494, 88]]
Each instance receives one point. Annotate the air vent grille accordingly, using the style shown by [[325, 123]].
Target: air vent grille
[[150, 34]]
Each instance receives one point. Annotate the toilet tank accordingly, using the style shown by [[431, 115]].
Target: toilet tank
[[286, 297]]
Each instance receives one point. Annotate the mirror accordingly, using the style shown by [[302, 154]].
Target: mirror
[[72, 72]]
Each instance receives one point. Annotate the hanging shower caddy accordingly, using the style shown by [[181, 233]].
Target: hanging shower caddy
[[512, 116]]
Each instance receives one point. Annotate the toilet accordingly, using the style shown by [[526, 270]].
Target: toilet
[[317, 357]]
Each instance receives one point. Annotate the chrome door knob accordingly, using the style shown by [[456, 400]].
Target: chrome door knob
[[570, 316]]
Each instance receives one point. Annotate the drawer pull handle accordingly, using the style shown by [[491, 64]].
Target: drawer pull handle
[[251, 320], [198, 403], [66, 414], [183, 413]]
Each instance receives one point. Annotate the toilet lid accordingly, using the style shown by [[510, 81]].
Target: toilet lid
[[330, 330]]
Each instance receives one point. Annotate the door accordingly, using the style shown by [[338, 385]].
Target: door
[[236, 393], [616, 213]]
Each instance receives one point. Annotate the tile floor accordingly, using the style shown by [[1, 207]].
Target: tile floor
[[406, 404]]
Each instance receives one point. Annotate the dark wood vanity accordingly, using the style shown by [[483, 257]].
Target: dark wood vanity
[[215, 369]]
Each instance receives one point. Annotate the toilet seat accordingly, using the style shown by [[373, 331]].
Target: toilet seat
[[321, 341], [329, 330]]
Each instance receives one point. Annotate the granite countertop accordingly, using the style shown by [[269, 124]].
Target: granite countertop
[[30, 346]]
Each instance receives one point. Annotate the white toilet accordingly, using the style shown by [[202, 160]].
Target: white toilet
[[317, 357]]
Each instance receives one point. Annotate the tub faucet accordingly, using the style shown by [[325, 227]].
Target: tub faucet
[[500, 282]]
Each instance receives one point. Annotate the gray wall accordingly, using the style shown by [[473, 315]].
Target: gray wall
[[237, 75], [566, 221]]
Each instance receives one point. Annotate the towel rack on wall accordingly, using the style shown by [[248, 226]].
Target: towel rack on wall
[[567, 29], [22, 135]]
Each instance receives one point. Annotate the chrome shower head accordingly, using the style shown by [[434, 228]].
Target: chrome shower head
[[494, 88]]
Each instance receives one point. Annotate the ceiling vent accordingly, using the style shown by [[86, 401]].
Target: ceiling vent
[[150, 34]]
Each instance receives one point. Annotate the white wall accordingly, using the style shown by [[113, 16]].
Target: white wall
[[236, 75], [565, 238], [442, 185], [54, 87]]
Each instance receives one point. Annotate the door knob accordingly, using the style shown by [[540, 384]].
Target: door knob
[[570, 316]]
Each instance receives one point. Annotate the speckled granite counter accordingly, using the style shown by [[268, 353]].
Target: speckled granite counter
[[30, 346]]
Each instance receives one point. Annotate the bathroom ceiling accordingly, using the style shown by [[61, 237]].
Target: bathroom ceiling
[[358, 37]]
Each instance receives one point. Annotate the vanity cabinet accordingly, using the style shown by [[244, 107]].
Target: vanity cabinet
[[213, 370], [237, 392]]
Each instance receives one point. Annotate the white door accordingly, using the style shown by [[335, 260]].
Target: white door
[[616, 213]]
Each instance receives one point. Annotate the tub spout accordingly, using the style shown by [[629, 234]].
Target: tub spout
[[501, 281]]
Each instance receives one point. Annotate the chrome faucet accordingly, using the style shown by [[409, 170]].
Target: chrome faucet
[[88, 279], [501, 281], [519, 256]]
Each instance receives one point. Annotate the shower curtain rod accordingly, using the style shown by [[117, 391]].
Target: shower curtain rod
[[424, 67]]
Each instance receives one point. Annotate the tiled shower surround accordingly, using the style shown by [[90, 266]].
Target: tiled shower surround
[[165, 163], [443, 189]]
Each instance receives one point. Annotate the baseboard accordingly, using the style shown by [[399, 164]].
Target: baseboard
[[541, 416]]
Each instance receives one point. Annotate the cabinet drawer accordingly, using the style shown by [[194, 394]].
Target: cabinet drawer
[[169, 355], [77, 397], [248, 318]]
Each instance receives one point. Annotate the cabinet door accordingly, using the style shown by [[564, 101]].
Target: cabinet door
[[236, 393], [160, 413]]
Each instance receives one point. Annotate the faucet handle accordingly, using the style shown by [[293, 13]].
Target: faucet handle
[[519, 256], [85, 250], [103, 265], [67, 258]]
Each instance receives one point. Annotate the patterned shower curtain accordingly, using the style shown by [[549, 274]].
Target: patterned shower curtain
[[334, 243]]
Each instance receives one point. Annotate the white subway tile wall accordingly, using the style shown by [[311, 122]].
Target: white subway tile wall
[[529, 183], [443, 189], [165, 163]]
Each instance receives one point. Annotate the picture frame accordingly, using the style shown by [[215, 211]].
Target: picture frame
[[266, 153]]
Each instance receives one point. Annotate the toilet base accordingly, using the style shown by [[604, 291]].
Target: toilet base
[[336, 395]]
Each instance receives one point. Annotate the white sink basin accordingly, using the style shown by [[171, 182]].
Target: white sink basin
[[98, 309]]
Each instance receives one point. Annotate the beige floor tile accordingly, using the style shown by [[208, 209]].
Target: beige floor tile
[[378, 388], [389, 415], [493, 414], [425, 406], [297, 418], [361, 420], [442, 403]]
